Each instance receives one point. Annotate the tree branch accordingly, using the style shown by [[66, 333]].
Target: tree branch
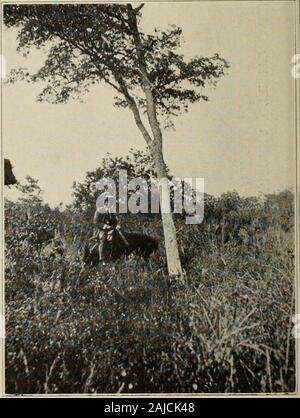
[[134, 108], [146, 85], [137, 9]]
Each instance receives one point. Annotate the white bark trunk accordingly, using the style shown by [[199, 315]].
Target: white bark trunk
[[173, 260], [172, 253]]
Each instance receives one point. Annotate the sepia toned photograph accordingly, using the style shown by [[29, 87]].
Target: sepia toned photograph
[[149, 185]]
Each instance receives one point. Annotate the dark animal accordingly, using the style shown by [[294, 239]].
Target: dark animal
[[140, 244], [9, 178]]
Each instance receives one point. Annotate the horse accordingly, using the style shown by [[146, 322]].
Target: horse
[[138, 243]]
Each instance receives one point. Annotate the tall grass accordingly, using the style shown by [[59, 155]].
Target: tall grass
[[127, 328]]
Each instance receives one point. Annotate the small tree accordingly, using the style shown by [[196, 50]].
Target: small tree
[[31, 193], [136, 164], [91, 43]]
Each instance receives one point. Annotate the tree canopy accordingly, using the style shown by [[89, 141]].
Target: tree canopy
[[92, 43]]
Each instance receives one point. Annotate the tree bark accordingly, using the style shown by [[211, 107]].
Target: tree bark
[[172, 253], [173, 260], [171, 246]]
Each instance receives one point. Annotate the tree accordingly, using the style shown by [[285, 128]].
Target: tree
[[91, 43], [31, 193], [136, 164]]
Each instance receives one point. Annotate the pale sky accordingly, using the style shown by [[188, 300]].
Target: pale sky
[[243, 139]]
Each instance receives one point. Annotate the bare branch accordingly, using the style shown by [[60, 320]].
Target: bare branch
[[137, 9]]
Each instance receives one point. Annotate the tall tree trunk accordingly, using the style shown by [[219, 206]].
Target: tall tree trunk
[[172, 253], [171, 246], [174, 265]]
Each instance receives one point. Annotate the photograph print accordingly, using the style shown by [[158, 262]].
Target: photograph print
[[149, 188]]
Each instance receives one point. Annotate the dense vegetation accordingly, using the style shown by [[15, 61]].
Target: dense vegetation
[[127, 327]]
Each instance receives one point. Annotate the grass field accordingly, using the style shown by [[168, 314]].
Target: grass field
[[127, 328]]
